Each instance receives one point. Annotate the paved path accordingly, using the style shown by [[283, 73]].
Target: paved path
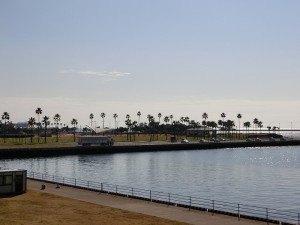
[[144, 207]]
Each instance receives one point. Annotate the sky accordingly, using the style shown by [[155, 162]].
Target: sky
[[76, 57]]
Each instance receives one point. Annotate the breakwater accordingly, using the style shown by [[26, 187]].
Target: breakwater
[[80, 150]]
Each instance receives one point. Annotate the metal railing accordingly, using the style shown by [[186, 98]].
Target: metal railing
[[190, 202]]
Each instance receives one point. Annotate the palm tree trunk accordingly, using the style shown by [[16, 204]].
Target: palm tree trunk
[[31, 135], [45, 135], [56, 134], [5, 132]]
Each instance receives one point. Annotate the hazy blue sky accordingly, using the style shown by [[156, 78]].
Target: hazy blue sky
[[169, 56]]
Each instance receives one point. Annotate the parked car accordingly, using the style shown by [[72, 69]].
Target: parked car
[[258, 140], [283, 139], [184, 141], [272, 139], [215, 140]]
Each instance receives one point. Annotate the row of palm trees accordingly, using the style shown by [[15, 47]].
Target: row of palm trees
[[132, 125], [224, 125], [166, 119], [39, 123]]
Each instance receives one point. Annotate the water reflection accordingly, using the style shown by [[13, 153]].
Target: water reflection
[[267, 177]]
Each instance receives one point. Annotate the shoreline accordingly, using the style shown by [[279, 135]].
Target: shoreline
[[134, 147]]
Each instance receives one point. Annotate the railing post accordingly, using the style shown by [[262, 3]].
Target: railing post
[[190, 203], [116, 189], [298, 218], [267, 215], [75, 182], [88, 184], [63, 180], [213, 211], [131, 192], [239, 211], [101, 186], [150, 196], [169, 199]]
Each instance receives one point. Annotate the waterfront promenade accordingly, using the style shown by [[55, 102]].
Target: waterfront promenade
[[134, 205]]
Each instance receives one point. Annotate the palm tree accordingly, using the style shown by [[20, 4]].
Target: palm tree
[[229, 124], [150, 124], [269, 128], [274, 129], [166, 119], [103, 116], [139, 115], [213, 125], [149, 117], [171, 118], [239, 116], [31, 123], [74, 122], [223, 115], [46, 123], [204, 116], [260, 125], [56, 118], [128, 123], [159, 116], [255, 123], [91, 118], [5, 117], [220, 124], [181, 119], [115, 116], [247, 125], [38, 111]]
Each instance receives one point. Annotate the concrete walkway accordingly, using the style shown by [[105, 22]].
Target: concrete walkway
[[144, 207]]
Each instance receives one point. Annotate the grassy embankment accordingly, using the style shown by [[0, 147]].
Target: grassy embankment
[[67, 140], [34, 208]]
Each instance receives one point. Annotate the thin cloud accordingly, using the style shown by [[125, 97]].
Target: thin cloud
[[113, 74]]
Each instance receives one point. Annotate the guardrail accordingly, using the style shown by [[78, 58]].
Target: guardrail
[[190, 202]]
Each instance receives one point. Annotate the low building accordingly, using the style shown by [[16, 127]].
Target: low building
[[13, 182], [201, 132]]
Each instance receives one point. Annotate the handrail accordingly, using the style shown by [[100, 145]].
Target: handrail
[[190, 202]]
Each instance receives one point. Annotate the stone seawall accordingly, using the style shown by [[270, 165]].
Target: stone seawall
[[48, 152]]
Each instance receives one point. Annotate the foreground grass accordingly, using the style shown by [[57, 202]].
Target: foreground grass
[[34, 208]]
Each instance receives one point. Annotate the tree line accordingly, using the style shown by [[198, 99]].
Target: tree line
[[154, 125]]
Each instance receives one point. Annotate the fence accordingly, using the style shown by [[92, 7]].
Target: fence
[[209, 205]]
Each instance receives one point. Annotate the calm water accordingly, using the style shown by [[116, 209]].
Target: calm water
[[268, 177]]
